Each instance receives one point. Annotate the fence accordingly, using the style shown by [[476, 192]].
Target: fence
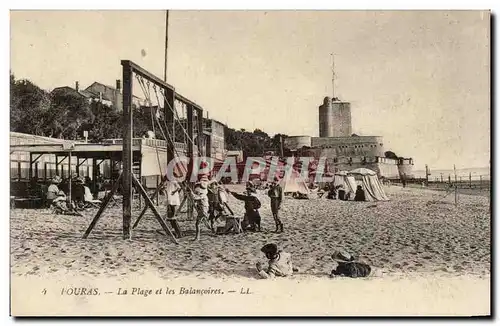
[[442, 182]]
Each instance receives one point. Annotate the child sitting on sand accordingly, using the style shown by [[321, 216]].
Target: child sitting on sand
[[280, 263]]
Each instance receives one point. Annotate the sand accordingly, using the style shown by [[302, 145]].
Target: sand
[[418, 235]]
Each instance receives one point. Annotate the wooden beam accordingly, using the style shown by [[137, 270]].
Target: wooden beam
[[78, 164], [37, 157], [200, 130], [163, 181], [152, 78], [59, 162], [127, 135], [57, 148], [103, 207], [149, 203]]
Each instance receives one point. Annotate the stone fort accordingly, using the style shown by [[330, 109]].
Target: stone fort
[[343, 150]]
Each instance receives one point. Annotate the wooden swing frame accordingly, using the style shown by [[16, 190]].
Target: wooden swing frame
[[127, 178]]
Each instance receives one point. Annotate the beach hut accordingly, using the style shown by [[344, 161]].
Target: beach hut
[[371, 184]]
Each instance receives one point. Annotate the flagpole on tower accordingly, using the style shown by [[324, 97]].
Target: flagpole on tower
[[333, 75]]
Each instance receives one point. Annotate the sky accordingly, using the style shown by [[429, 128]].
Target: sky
[[420, 79]]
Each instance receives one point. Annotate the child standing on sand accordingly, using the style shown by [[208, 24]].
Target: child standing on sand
[[280, 263], [275, 193], [201, 205]]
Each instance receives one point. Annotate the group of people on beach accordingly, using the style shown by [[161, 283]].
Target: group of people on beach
[[339, 192], [210, 202], [56, 198], [252, 205]]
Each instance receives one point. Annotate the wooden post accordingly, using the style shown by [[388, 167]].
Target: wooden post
[[18, 170], [127, 148], [480, 182], [470, 179], [45, 171], [190, 131], [169, 105], [36, 170], [456, 195], [157, 190], [70, 177], [427, 175], [140, 197], [200, 131], [112, 167], [30, 171], [95, 191], [281, 146]]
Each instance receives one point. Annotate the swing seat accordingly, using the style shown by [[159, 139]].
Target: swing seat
[[233, 224]]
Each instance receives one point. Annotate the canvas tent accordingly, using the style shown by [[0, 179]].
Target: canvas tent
[[292, 183], [347, 181], [371, 184]]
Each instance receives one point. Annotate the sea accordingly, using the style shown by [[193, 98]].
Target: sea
[[474, 173]]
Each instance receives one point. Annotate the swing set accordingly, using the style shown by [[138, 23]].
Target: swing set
[[168, 122]]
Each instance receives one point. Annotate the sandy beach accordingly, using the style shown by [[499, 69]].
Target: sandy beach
[[418, 235]]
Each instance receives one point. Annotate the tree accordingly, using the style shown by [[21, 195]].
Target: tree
[[28, 107], [106, 124], [69, 114], [390, 154]]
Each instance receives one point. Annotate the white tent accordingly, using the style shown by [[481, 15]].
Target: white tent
[[371, 184], [347, 181], [294, 184]]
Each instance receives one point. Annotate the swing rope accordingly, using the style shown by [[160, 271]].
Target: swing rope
[[148, 99]]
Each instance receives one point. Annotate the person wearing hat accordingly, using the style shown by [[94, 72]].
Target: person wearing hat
[[275, 193], [55, 197], [348, 266], [252, 205], [279, 264], [53, 190]]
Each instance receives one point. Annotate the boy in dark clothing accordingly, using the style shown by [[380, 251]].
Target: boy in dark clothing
[[276, 195], [252, 205]]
